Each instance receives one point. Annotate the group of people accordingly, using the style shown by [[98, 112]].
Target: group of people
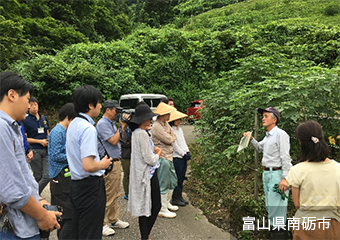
[[84, 167], [83, 161], [159, 156], [315, 181]]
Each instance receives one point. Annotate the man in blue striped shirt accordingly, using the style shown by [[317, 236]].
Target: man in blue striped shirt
[[58, 169], [19, 190]]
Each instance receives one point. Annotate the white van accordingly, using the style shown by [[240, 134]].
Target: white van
[[130, 101]]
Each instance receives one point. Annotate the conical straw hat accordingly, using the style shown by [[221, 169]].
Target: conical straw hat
[[164, 108], [176, 115]]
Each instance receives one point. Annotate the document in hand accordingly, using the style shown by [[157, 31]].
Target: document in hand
[[244, 142]]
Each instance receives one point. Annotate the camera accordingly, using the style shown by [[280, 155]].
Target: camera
[[109, 169], [46, 234], [121, 112]]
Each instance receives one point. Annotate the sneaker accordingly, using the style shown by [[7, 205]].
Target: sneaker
[[126, 197], [107, 231], [120, 224]]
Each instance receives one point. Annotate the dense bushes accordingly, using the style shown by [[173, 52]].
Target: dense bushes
[[46, 26], [300, 90], [167, 61]]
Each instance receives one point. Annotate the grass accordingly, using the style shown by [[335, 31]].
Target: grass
[[259, 12]]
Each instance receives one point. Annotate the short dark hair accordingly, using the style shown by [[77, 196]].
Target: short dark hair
[[10, 80], [33, 99], [84, 96], [67, 111], [171, 100], [165, 100], [314, 147]]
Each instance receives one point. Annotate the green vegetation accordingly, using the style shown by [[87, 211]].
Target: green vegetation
[[47, 26], [237, 55]]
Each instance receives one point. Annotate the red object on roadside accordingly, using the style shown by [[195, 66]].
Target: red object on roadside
[[193, 111]]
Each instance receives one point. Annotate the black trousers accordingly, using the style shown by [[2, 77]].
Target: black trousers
[[88, 198], [60, 195], [146, 223]]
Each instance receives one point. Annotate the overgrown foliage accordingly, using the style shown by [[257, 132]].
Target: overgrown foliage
[[46, 26]]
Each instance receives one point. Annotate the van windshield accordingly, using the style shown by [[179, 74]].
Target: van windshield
[[129, 103], [152, 102]]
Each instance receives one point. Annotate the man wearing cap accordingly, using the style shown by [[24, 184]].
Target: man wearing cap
[[164, 137], [109, 138], [276, 163]]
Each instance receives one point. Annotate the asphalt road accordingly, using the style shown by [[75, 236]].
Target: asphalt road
[[189, 224]]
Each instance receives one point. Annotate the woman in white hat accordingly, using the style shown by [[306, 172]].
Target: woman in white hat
[[144, 192], [164, 137], [180, 157]]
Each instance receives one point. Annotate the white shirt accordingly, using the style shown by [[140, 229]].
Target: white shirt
[[180, 145], [275, 147]]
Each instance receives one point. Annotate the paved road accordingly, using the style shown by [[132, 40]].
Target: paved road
[[189, 224]]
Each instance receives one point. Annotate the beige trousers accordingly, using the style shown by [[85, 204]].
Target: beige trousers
[[112, 187]]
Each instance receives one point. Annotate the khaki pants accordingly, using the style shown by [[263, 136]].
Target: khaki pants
[[112, 186]]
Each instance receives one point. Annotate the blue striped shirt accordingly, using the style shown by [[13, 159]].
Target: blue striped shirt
[[16, 179], [57, 150]]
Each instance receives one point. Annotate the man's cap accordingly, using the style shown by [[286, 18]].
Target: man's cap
[[175, 115], [111, 104], [164, 108], [270, 110]]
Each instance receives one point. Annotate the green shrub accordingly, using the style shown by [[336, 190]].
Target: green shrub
[[332, 10]]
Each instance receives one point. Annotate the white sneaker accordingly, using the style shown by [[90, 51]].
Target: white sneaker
[[107, 231], [120, 224]]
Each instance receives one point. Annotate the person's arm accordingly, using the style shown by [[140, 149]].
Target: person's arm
[[166, 137], [90, 165], [149, 157], [114, 140], [258, 146], [46, 220], [286, 161], [43, 142], [296, 197], [178, 149], [57, 147]]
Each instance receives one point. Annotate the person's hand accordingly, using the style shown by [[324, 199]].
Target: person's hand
[[106, 162], [29, 156], [43, 202], [44, 142], [158, 151], [48, 222], [246, 134], [283, 185], [124, 124]]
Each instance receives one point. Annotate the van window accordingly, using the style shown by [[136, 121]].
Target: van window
[[129, 103], [152, 102]]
